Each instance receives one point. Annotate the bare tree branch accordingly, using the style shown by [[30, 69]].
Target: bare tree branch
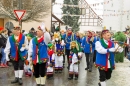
[[35, 9]]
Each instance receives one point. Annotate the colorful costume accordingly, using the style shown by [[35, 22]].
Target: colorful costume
[[59, 51], [28, 67], [105, 57], [39, 53], [88, 45], [74, 60], [17, 46], [120, 37], [50, 63]]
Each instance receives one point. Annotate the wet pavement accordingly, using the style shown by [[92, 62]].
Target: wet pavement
[[120, 77]]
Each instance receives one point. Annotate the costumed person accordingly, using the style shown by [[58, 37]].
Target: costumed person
[[120, 38], [17, 46], [50, 63], [105, 56], [59, 51], [62, 33], [57, 29], [74, 59], [39, 53], [96, 38], [68, 37], [88, 45], [28, 67]]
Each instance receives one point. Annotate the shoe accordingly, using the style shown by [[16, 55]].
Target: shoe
[[90, 70], [16, 80], [2, 65], [86, 68], [70, 76], [99, 84], [42, 85], [5, 65], [76, 76], [20, 81]]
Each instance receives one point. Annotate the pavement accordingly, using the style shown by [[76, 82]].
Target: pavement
[[120, 77]]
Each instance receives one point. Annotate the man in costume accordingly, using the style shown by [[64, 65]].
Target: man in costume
[[17, 46], [105, 56], [39, 53]]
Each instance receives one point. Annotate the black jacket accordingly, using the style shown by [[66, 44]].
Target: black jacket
[[3, 41]]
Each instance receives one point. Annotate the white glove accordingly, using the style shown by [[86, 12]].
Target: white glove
[[62, 43], [22, 49], [7, 57], [112, 49], [120, 49]]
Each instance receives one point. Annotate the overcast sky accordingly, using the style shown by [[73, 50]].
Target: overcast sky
[[57, 8]]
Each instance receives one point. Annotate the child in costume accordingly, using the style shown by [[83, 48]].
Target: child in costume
[[74, 60], [28, 69], [120, 37], [59, 50], [50, 63], [105, 56]]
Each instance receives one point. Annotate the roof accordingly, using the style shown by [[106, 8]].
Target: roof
[[58, 20]]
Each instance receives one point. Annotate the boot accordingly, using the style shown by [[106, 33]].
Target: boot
[[70, 76], [76, 76], [15, 80], [60, 70], [38, 81], [103, 83], [56, 70], [86, 68], [16, 72], [43, 80], [20, 81]]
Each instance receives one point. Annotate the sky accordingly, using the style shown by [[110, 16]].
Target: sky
[[57, 8]]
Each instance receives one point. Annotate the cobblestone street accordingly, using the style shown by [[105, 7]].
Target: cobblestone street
[[120, 77]]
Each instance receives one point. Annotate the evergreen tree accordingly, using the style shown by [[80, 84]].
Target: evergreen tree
[[72, 21]]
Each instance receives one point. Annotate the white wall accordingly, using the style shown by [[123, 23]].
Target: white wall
[[92, 28], [119, 22]]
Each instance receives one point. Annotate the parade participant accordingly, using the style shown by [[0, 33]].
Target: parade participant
[[77, 37], [119, 37], [59, 51], [105, 56], [74, 59], [28, 68], [38, 51], [50, 63], [88, 45], [68, 37], [17, 46], [62, 33], [96, 38]]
